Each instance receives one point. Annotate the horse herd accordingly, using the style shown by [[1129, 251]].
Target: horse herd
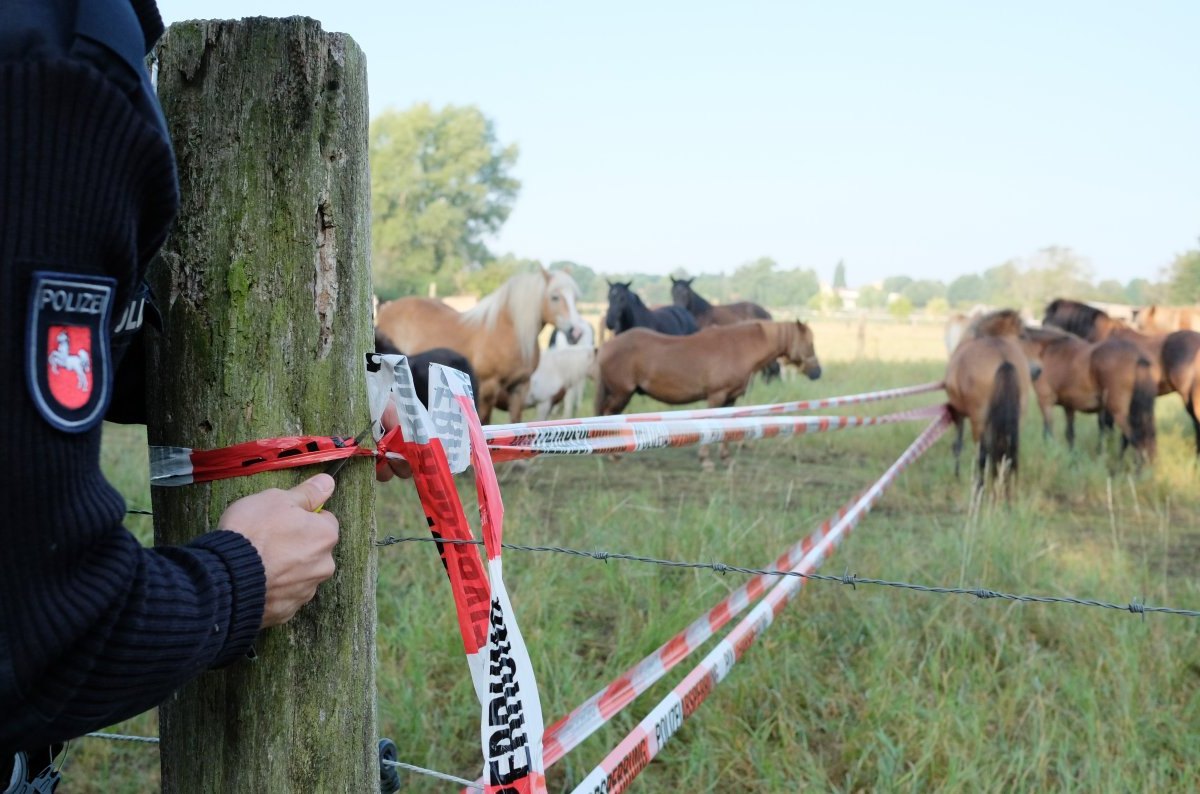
[[691, 350], [1081, 359]]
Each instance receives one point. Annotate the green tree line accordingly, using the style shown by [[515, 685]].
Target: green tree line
[[441, 183]]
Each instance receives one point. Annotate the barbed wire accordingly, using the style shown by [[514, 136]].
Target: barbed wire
[[853, 580], [124, 737]]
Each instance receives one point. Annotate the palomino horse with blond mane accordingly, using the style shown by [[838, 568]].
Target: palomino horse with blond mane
[[498, 335]]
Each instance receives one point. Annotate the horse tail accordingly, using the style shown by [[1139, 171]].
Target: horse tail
[[1002, 431], [1141, 409], [85, 361]]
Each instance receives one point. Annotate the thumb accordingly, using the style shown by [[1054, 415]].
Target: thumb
[[313, 492]]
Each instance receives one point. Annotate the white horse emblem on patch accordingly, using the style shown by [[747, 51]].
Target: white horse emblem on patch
[[79, 363]]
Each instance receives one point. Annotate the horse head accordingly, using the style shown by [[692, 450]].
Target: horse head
[[619, 295], [801, 351], [560, 304], [681, 291]]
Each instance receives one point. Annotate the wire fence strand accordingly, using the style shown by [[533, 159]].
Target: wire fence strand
[[124, 737], [1134, 607], [433, 773]]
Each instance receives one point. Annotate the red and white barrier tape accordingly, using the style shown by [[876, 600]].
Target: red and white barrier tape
[[501, 670], [643, 744], [183, 466], [732, 411], [603, 437]]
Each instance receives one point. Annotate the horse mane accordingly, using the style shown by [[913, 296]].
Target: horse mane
[[997, 322], [1070, 315], [696, 303], [521, 296]]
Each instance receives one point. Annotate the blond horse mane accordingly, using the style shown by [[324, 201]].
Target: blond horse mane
[[521, 296]]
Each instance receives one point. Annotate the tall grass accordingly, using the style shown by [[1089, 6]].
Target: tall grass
[[850, 690]]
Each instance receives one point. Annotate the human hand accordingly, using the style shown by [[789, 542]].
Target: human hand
[[294, 543], [387, 468]]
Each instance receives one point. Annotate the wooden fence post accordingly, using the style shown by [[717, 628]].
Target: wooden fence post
[[265, 289]]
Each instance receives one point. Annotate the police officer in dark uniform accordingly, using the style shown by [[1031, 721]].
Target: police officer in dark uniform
[[95, 628]]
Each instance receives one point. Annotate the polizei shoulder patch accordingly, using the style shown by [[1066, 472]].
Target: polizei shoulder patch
[[68, 363]]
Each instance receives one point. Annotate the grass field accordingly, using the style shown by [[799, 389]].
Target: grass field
[[850, 690]]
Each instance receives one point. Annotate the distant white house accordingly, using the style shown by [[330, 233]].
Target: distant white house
[[849, 297]]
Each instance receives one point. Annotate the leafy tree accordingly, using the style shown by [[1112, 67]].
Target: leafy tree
[[966, 290], [482, 279], [896, 283], [439, 183], [1140, 292], [794, 287], [1183, 280], [592, 288], [825, 302], [839, 275], [1109, 290], [1050, 273], [752, 281], [871, 297], [937, 307], [921, 292], [999, 284], [900, 308]]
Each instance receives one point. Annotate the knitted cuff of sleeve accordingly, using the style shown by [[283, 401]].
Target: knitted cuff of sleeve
[[247, 583]]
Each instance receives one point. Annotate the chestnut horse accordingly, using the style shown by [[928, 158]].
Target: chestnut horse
[[1114, 378], [1165, 319], [1181, 363], [714, 365], [987, 379], [707, 314], [498, 336]]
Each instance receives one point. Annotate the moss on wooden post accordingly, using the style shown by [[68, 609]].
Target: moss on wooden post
[[265, 288]]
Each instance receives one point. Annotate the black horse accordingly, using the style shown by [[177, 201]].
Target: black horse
[[419, 364], [626, 310]]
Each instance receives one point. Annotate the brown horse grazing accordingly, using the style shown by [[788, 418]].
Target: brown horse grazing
[[714, 364], [1114, 378], [1165, 319], [1181, 363], [707, 314], [1080, 319], [987, 379], [498, 336]]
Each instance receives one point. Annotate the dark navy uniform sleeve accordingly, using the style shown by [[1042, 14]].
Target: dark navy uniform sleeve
[[94, 627]]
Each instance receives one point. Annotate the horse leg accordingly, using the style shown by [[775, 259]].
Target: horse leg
[[715, 400], [981, 466], [516, 401], [958, 440], [1070, 413], [1192, 403]]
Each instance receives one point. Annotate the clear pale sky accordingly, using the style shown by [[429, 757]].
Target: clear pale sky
[[920, 138]]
